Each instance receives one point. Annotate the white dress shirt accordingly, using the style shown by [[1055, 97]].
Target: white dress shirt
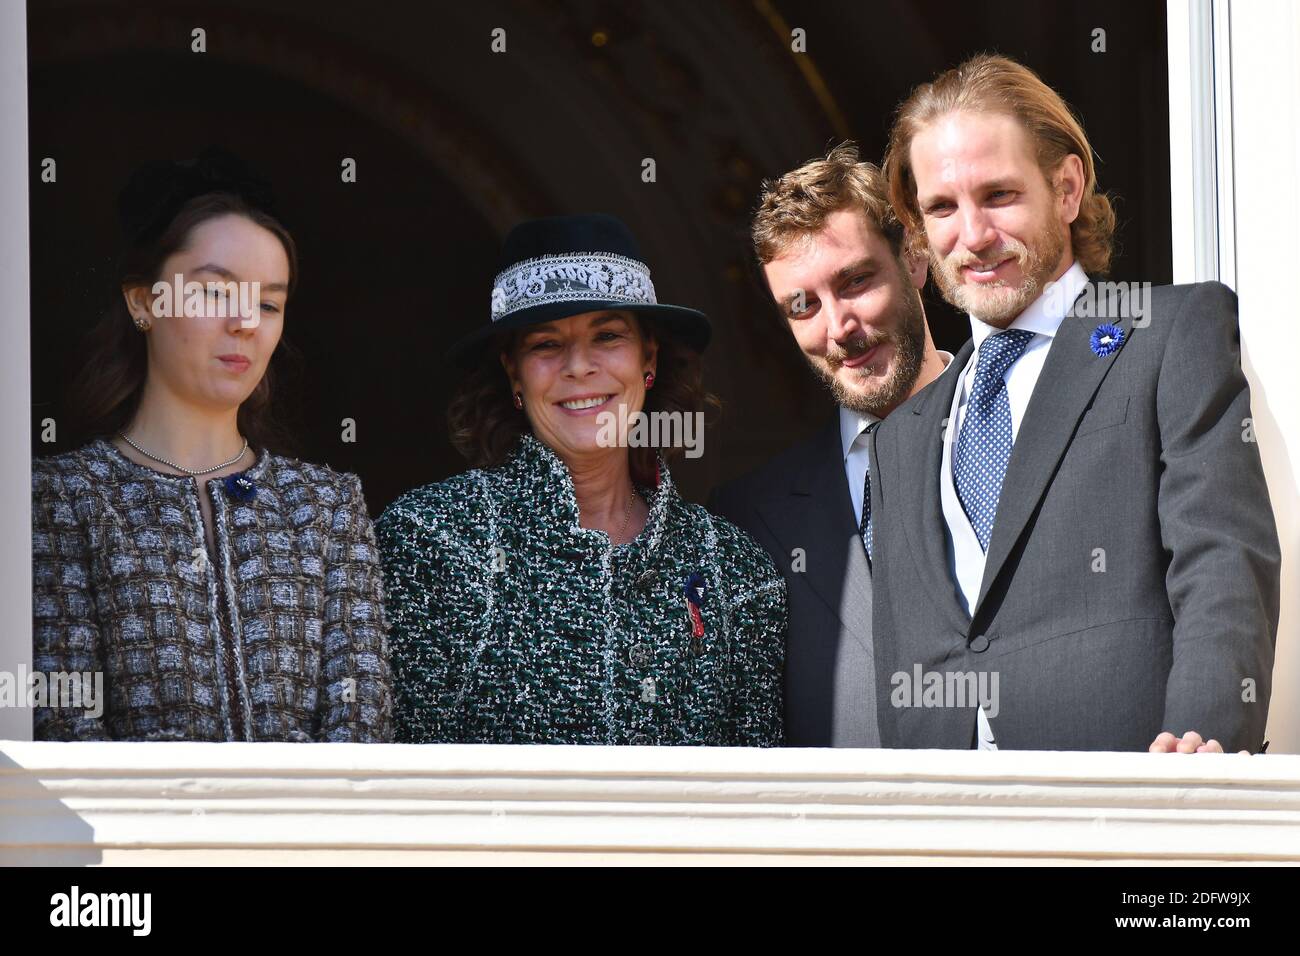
[[853, 442], [1042, 317]]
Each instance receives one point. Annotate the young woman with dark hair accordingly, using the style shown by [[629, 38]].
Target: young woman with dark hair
[[223, 591]]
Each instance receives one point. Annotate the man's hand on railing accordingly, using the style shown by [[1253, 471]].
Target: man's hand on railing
[[1188, 743]]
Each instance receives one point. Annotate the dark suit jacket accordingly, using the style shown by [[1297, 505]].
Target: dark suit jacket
[[1136, 463], [797, 506]]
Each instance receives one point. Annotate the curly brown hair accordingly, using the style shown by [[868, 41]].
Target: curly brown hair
[[996, 84], [799, 203], [484, 424]]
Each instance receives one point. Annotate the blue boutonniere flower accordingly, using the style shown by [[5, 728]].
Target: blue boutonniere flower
[[240, 487], [1106, 339], [696, 589]]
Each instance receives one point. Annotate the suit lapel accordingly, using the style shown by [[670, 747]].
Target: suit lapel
[[1070, 378], [913, 485], [815, 513]]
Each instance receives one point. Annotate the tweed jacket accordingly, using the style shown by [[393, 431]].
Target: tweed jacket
[[513, 624], [124, 585]]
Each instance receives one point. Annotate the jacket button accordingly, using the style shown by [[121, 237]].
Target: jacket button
[[640, 655], [645, 580], [979, 644], [640, 740]]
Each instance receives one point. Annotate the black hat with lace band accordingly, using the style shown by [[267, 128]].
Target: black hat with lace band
[[564, 266]]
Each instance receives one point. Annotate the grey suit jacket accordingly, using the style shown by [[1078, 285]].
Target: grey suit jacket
[[1131, 584], [797, 506]]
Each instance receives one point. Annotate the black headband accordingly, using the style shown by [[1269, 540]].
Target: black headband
[[157, 190]]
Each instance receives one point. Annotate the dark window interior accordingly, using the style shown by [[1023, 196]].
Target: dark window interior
[[454, 143]]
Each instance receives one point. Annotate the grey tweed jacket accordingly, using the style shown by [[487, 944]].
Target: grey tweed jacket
[[280, 635]]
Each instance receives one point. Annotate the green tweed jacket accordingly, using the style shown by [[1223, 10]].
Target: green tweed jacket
[[510, 623]]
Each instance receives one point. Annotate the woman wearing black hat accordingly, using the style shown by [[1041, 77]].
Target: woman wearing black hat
[[208, 587], [562, 591]]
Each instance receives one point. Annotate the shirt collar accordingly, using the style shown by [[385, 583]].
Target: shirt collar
[[852, 425], [1045, 314]]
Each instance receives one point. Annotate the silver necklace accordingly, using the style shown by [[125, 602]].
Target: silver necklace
[[188, 471]]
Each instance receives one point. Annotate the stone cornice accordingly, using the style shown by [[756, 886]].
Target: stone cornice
[[113, 802]]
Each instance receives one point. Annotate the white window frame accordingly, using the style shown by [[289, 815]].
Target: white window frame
[[1234, 129]]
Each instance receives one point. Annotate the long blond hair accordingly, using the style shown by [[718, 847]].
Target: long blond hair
[[996, 84]]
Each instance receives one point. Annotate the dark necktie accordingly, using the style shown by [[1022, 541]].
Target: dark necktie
[[864, 525], [979, 462]]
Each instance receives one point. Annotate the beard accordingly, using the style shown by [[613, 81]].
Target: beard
[[998, 303], [908, 339]]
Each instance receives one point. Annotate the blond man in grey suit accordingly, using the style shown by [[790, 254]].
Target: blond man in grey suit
[[1075, 512]]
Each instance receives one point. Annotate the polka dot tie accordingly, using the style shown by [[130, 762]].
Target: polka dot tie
[[864, 525], [984, 445]]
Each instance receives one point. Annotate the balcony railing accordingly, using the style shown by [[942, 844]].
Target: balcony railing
[[339, 803]]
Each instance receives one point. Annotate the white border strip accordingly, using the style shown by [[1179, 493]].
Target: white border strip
[[1194, 139], [1224, 165], [15, 366], [1181, 190]]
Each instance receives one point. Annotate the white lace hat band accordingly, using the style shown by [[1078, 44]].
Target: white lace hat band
[[573, 277]]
